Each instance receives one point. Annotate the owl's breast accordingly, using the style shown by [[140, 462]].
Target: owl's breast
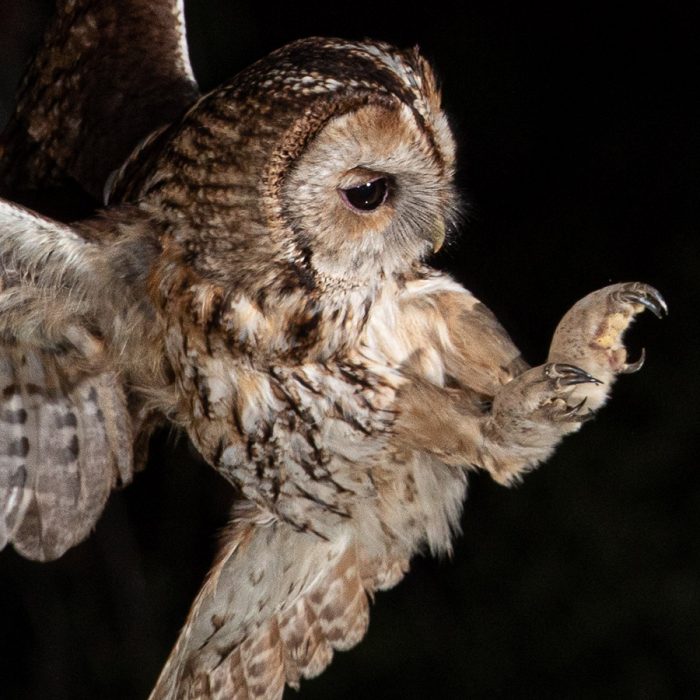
[[301, 441], [308, 437]]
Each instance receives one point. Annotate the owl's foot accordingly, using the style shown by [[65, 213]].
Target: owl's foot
[[591, 334], [555, 396], [533, 411], [537, 407], [530, 415]]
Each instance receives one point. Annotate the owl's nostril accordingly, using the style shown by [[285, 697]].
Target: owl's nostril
[[368, 196]]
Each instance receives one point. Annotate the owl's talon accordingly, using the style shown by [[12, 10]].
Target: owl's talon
[[574, 410], [549, 395], [563, 374], [646, 295], [585, 417], [632, 367], [568, 414]]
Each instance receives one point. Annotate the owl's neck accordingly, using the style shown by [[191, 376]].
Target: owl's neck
[[279, 323]]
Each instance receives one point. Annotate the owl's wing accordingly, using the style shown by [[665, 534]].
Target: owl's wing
[[65, 442], [66, 431], [106, 75], [275, 607]]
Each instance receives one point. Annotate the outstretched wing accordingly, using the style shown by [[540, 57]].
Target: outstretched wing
[[106, 75], [66, 433], [67, 429]]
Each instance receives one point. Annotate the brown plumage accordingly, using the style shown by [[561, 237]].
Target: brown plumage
[[259, 279]]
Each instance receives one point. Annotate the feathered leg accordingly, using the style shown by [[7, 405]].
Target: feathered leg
[[532, 412]]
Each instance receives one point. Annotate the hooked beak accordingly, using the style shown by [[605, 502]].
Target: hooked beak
[[438, 234]]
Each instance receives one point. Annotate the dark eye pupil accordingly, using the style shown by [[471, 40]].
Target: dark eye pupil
[[368, 196]]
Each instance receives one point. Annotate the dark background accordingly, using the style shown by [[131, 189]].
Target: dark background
[[580, 154]]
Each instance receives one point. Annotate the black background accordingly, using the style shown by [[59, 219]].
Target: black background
[[579, 151]]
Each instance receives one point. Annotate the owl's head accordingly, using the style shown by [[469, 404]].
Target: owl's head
[[327, 163]]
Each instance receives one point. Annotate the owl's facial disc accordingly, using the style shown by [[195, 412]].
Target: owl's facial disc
[[371, 194]]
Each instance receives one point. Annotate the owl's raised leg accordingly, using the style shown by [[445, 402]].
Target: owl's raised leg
[[532, 412], [587, 353]]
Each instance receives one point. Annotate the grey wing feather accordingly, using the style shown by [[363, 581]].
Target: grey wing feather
[[64, 444], [106, 75]]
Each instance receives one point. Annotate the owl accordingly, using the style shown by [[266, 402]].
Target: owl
[[258, 277]]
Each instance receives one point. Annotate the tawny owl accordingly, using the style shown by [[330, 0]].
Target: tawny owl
[[259, 279]]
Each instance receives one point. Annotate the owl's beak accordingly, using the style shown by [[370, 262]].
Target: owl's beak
[[438, 234]]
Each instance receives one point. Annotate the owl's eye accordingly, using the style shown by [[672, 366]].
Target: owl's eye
[[368, 196]]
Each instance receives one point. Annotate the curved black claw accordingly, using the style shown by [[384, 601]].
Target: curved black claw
[[574, 411], [646, 295], [633, 367], [563, 374], [570, 414]]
